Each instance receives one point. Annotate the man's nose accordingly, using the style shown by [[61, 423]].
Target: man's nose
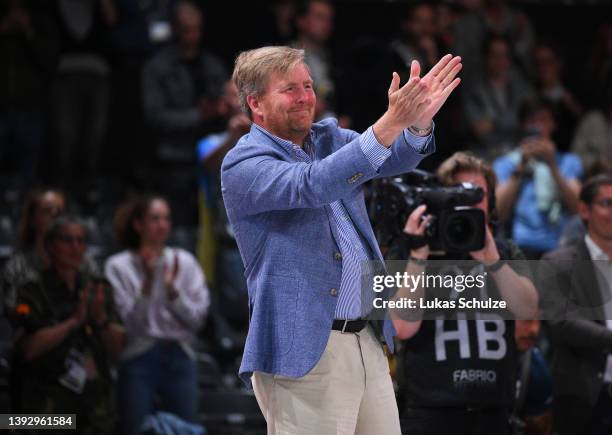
[[303, 94]]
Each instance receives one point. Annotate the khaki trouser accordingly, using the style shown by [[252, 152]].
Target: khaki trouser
[[349, 391]]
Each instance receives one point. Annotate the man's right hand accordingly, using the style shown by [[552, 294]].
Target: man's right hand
[[415, 226], [405, 105]]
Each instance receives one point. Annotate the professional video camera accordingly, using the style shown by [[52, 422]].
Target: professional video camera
[[456, 225]]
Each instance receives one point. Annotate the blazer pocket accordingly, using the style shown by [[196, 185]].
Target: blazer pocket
[[274, 312]]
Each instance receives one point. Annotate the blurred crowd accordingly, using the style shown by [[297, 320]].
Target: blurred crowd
[[123, 282]]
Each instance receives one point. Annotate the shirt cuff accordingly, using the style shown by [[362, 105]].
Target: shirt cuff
[[375, 152], [421, 144]]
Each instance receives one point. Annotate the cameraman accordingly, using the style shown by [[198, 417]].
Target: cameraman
[[438, 399]]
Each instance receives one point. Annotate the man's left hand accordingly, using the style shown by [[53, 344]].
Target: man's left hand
[[441, 80]]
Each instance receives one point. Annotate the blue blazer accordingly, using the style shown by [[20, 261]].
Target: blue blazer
[[277, 207]]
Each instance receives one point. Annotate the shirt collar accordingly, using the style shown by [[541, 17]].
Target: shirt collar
[[596, 252], [287, 144]]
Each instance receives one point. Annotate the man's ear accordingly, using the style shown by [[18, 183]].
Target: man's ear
[[253, 103]]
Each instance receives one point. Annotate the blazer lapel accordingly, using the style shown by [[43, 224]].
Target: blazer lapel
[[587, 282]]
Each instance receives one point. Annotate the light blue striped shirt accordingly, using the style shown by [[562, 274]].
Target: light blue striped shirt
[[353, 247]]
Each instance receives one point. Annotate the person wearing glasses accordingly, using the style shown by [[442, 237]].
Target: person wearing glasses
[[67, 335], [30, 259], [162, 298], [576, 291]]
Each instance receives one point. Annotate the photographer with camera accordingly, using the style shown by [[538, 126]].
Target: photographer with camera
[[460, 373], [538, 183]]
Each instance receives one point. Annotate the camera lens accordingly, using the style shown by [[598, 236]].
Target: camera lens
[[463, 230], [460, 230]]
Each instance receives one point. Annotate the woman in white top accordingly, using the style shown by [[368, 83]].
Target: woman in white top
[[162, 298]]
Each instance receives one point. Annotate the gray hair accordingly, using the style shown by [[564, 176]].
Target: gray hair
[[57, 226], [253, 68]]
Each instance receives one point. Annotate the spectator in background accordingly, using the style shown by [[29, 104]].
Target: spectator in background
[[141, 28], [28, 49], [29, 261], [548, 66], [420, 38], [82, 88], [575, 284], [493, 100], [279, 26], [575, 229], [593, 136], [533, 406], [599, 71], [315, 24], [416, 40], [40, 208], [162, 299], [538, 183], [218, 251], [67, 335], [446, 19], [182, 87], [491, 17]]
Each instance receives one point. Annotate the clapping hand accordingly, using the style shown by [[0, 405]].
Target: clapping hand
[[170, 274], [149, 261], [440, 81], [80, 314], [97, 307], [415, 103]]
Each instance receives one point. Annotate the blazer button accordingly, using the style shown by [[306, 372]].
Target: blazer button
[[337, 256], [599, 375], [333, 292]]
